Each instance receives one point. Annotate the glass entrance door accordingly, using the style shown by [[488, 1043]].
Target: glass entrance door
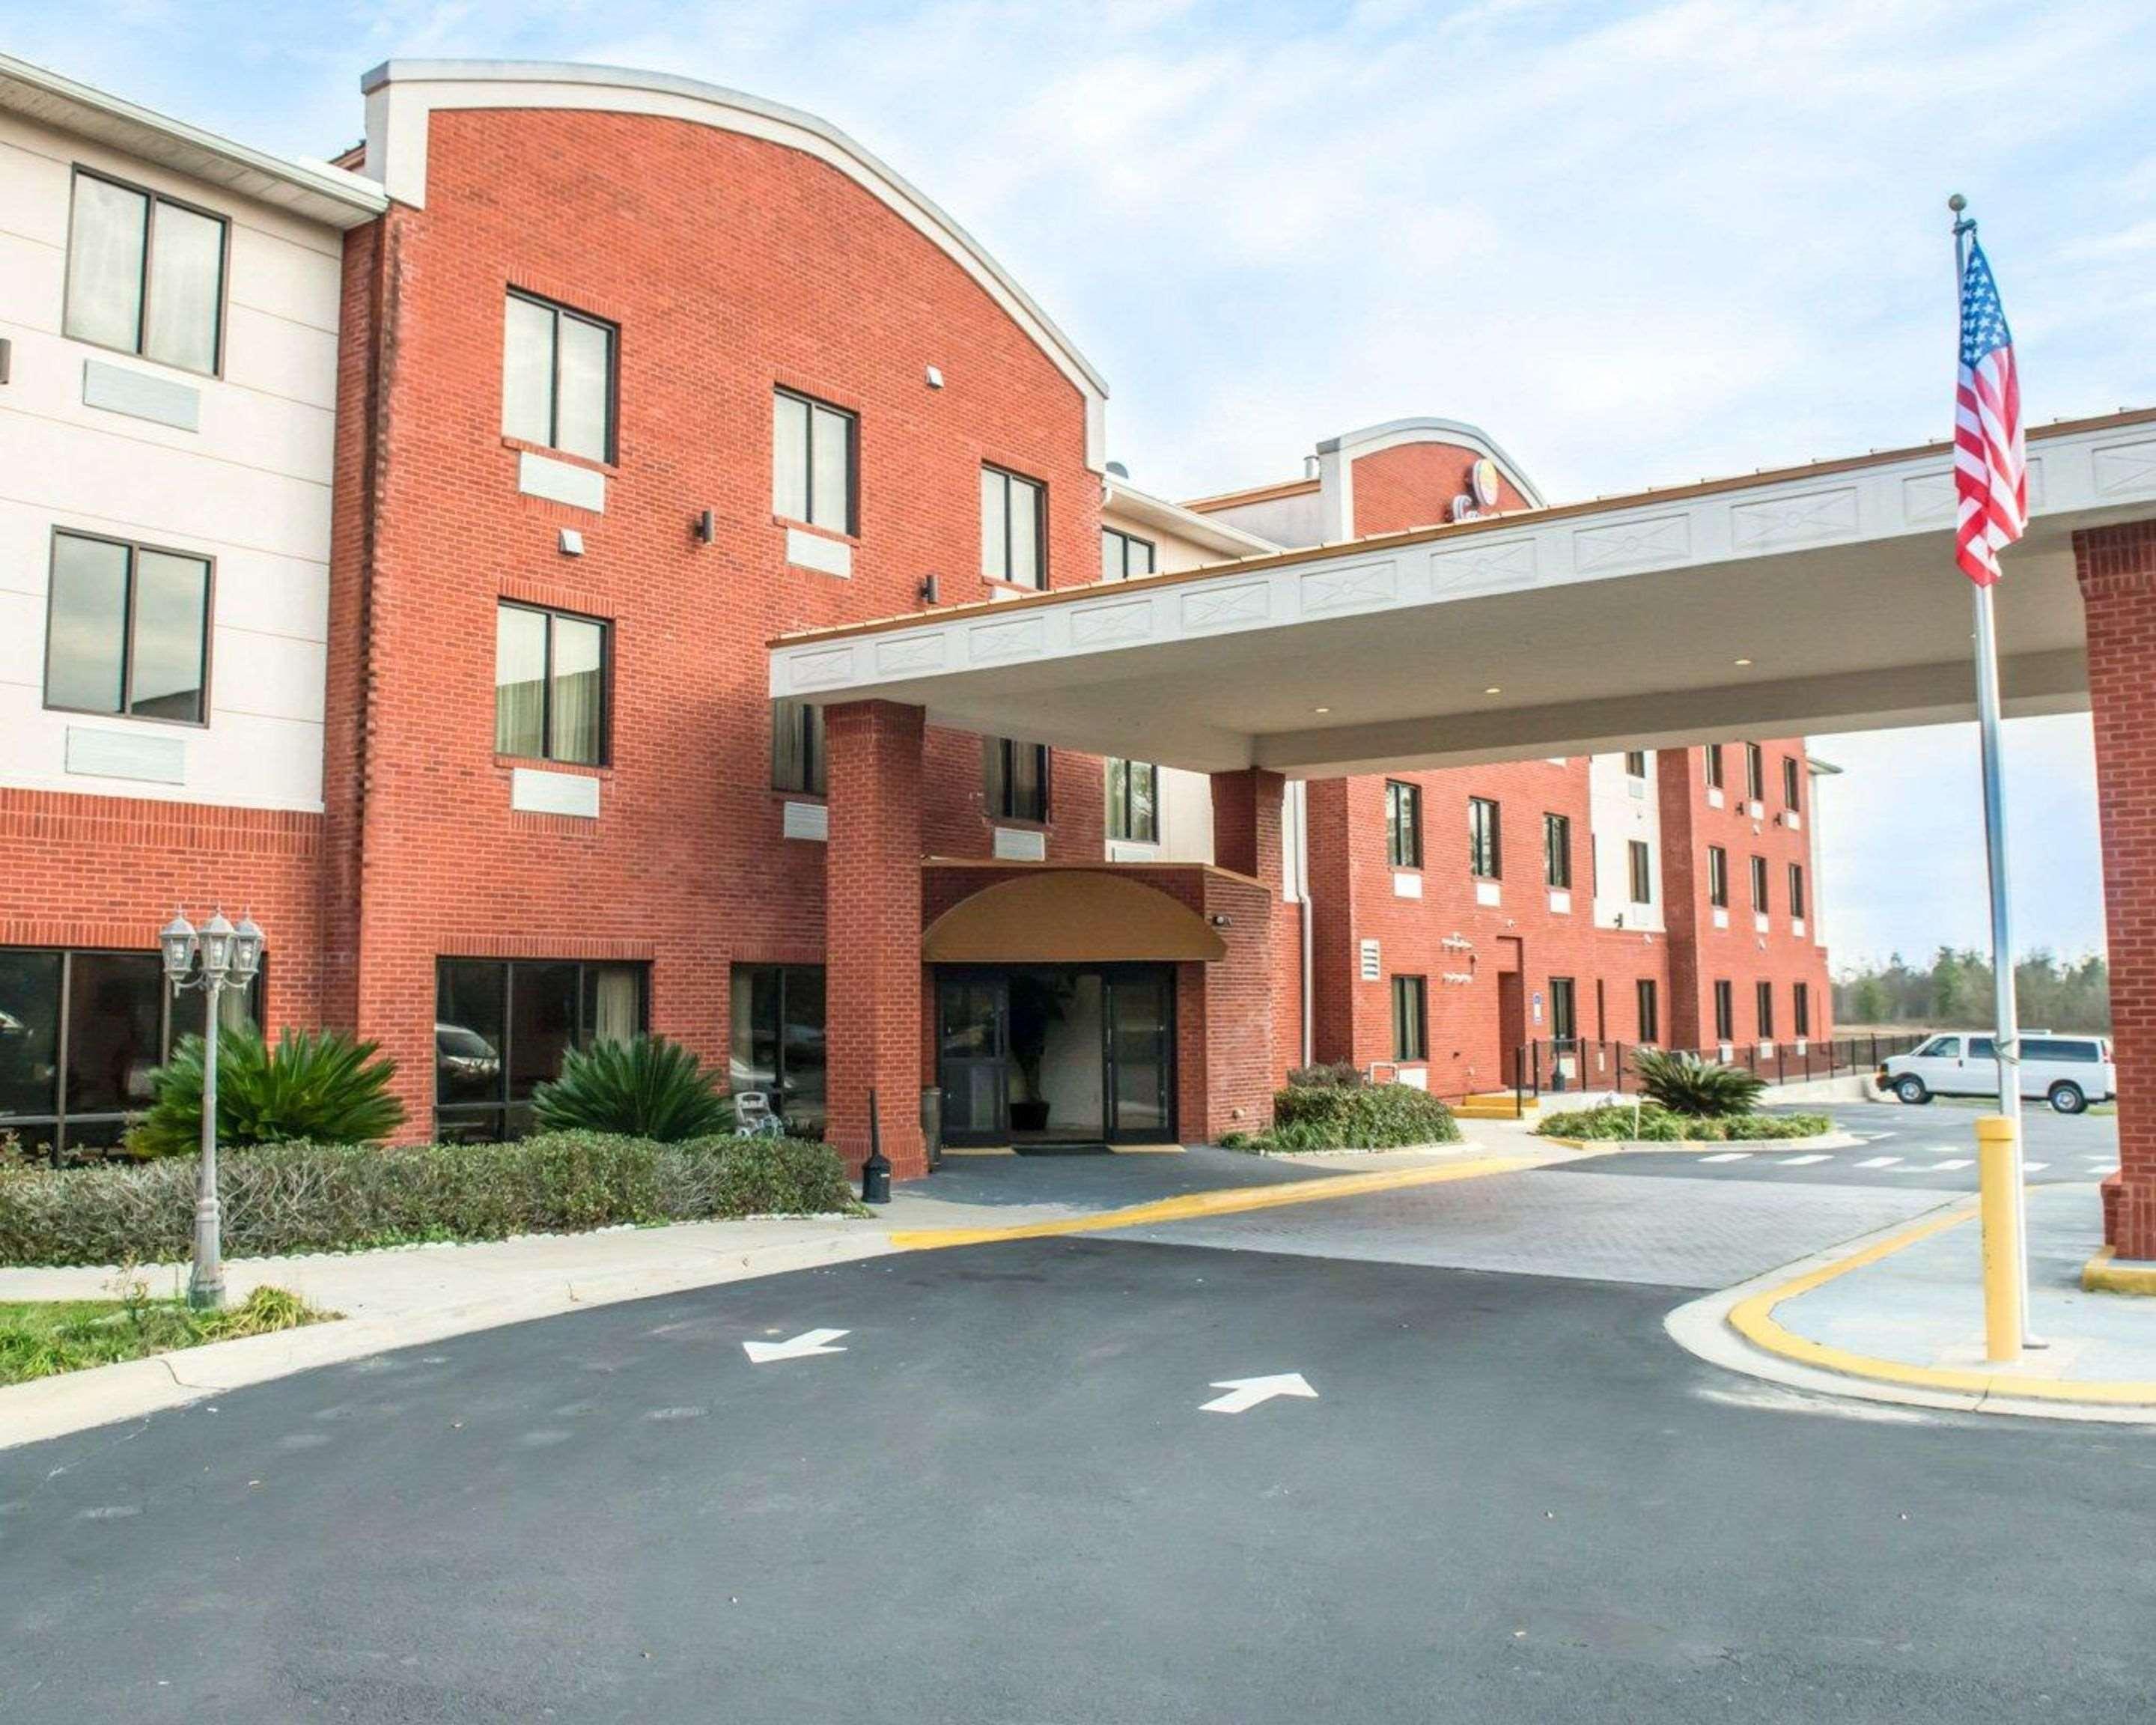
[[973, 1038], [1140, 1053]]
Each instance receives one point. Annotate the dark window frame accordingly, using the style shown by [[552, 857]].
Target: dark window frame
[[1800, 905], [784, 975], [852, 530], [1557, 851], [1639, 866], [1717, 877], [814, 750], [1119, 809], [1760, 898], [133, 548], [497, 1111], [1402, 824], [61, 1117], [605, 626], [1632, 755], [1485, 839], [1755, 773], [1646, 999], [1800, 1010], [139, 351], [1725, 1011], [1410, 1019], [1711, 752], [1126, 541], [1792, 780], [1010, 476], [613, 332], [1762, 1008], [997, 758], [1564, 1009]]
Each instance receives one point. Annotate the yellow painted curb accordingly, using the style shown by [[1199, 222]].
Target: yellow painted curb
[[1230, 1201], [2104, 1274], [1754, 1319]]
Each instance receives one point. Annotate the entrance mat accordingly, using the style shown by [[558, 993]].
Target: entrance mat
[[1060, 1150]]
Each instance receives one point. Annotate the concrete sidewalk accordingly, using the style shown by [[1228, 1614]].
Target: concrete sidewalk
[[1900, 1318]]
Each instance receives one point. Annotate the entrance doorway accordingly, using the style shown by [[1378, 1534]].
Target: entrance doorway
[[1056, 1054]]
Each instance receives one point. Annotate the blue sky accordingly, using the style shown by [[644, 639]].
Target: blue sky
[[1638, 244]]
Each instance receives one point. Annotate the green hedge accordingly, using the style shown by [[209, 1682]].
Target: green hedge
[[1615, 1122], [1379, 1116], [325, 1198]]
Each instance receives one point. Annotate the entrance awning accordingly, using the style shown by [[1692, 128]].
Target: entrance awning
[[1817, 599], [1071, 917]]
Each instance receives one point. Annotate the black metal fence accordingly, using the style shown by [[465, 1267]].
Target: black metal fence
[[1560, 1065]]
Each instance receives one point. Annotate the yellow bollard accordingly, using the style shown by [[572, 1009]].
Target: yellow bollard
[[1999, 1202]]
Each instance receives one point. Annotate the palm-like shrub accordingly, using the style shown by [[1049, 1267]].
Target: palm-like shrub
[[646, 1087], [320, 1085], [1685, 1083]]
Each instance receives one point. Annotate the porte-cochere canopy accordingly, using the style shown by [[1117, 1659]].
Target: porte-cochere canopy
[[1069, 917]]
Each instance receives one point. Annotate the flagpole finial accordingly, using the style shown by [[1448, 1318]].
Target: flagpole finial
[[1957, 203]]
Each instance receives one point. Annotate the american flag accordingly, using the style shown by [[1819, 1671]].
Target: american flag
[[1991, 471]]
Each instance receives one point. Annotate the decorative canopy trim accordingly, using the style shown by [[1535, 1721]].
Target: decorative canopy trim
[[1069, 917]]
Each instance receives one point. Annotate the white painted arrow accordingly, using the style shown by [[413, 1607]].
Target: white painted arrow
[[1244, 1394], [808, 1341]]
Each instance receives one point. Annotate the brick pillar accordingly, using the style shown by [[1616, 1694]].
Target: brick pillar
[[2117, 570], [1687, 1020], [1246, 823], [1241, 990], [872, 931]]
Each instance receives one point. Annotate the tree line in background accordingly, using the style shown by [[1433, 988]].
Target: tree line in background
[[1955, 990]]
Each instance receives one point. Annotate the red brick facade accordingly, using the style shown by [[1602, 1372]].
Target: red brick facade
[[2117, 567]]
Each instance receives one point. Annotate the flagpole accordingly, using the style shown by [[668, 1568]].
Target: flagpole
[[2006, 1022]]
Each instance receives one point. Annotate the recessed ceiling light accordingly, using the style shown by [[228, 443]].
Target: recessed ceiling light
[[1493, 690], [1321, 709], [1744, 661]]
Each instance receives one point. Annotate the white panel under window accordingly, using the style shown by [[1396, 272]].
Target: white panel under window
[[534, 792], [560, 482], [1489, 893], [1414, 1077], [140, 395], [1560, 901], [157, 757], [812, 551], [1406, 884], [1020, 844], [807, 820], [1721, 916], [1714, 796]]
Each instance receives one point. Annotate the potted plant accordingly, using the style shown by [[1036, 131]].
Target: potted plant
[[1035, 1003]]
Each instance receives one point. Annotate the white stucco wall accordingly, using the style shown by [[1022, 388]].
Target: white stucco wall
[[1619, 813], [249, 488]]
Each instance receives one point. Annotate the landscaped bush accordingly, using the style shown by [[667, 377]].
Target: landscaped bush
[[1686, 1084], [318, 1085], [1376, 1116], [1652, 1123], [1332, 1074], [644, 1087], [315, 1198]]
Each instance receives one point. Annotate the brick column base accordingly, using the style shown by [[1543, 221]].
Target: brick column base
[[872, 932], [2117, 567]]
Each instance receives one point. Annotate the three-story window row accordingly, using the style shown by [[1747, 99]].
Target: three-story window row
[[145, 274]]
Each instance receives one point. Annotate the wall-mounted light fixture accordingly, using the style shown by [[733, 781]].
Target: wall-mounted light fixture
[[929, 594], [572, 543], [706, 529]]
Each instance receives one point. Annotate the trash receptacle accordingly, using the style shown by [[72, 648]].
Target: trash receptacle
[[932, 1125]]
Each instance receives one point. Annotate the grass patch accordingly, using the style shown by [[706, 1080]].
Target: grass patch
[[42, 1338], [1616, 1123], [331, 1197]]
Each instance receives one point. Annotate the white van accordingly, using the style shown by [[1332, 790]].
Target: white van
[[2069, 1072]]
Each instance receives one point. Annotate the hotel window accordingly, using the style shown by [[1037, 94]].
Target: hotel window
[[1556, 851], [1797, 891], [1403, 824], [558, 378], [779, 1039], [1635, 764], [1755, 773], [1134, 802], [145, 274], [1792, 773], [1564, 1015], [1800, 1001], [1725, 1012], [1764, 1005], [127, 630], [1642, 872], [1411, 1018], [797, 748], [1017, 779], [1712, 754], [1013, 528], [549, 686], [1123, 555], [501, 1027], [1717, 877], [1650, 1016], [80, 1034], [814, 454], [1759, 883], [1486, 855]]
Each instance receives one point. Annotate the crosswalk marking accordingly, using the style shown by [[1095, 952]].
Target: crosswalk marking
[[1942, 1166], [1879, 1161], [1727, 1155], [1804, 1161], [2033, 1168], [2102, 1164]]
